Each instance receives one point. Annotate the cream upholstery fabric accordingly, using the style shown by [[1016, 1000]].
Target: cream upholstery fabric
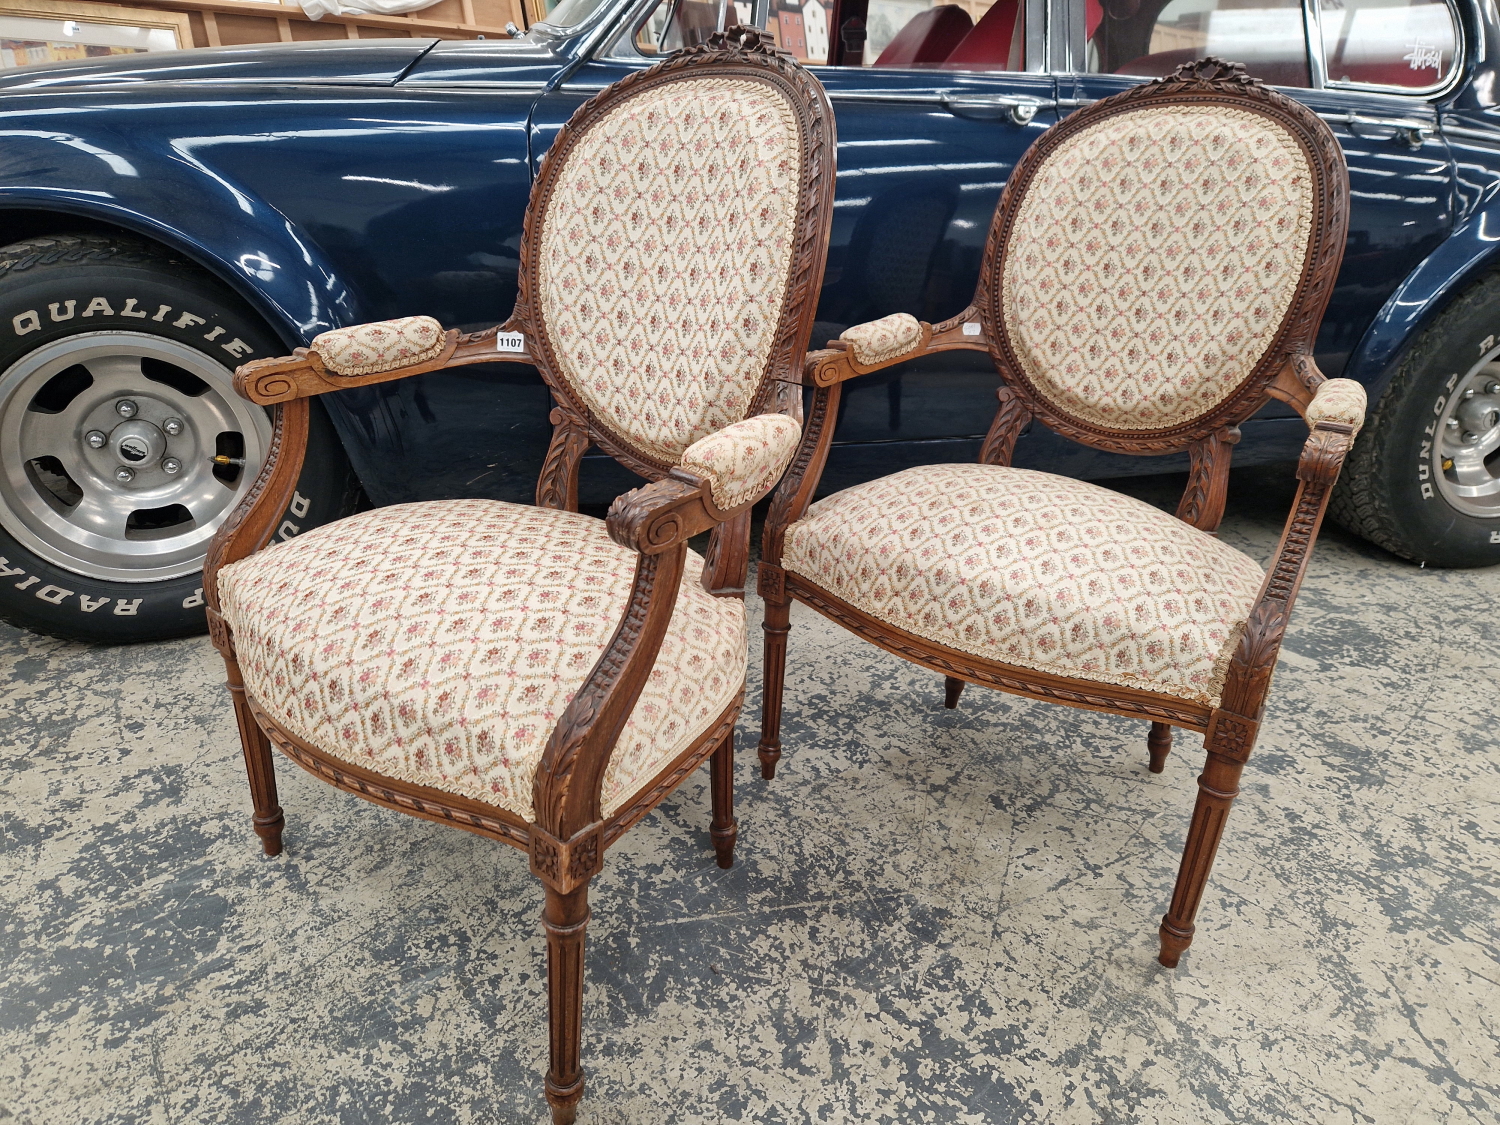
[[383, 345], [1153, 260], [664, 257], [883, 339], [1338, 400], [1034, 570], [744, 461], [439, 643]]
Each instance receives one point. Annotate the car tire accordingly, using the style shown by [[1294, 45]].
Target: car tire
[[1423, 479], [115, 350]]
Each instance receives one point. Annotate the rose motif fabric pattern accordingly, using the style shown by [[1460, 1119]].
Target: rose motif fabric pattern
[[1153, 261], [879, 340], [744, 461], [664, 257], [439, 643], [1338, 400], [1037, 571], [383, 345]]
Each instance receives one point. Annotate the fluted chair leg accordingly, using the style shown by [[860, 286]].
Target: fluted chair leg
[[268, 819], [1218, 786], [777, 622], [1159, 745], [565, 918], [723, 830], [953, 687]]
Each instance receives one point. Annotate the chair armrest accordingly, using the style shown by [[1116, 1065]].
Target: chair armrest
[[1340, 401], [378, 352], [742, 462], [1249, 676], [891, 340]]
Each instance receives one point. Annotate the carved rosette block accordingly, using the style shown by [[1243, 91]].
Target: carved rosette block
[[565, 865]]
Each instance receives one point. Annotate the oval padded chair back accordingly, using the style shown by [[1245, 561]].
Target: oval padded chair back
[[669, 267], [1157, 254]]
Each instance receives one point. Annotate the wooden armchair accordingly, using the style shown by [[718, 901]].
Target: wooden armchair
[[531, 674], [1156, 269]]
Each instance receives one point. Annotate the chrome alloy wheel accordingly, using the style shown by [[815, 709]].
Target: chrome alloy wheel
[[107, 439], [1469, 443]]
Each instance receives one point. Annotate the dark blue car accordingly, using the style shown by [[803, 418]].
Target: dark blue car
[[166, 217]]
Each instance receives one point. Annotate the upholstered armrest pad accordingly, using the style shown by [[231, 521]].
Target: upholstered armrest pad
[[883, 339], [743, 462], [1338, 400], [383, 345]]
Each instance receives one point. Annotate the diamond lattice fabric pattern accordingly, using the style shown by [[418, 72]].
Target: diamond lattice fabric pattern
[[743, 461], [879, 340], [1035, 570], [1153, 261], [664, 258], [1338, 400], [382, 345], [439, 643]]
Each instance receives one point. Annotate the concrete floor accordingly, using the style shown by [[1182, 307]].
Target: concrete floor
[[935, 916]]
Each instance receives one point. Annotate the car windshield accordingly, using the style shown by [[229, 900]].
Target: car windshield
[[571, 13]]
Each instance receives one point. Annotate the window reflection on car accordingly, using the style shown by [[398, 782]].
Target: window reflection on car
[[1404, 43]]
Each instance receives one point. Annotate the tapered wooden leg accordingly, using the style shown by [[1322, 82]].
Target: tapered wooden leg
[[777, 622], [268, 819], [721, 775], [1159, 745], [1218, 786], [953, 687], [565, 917]]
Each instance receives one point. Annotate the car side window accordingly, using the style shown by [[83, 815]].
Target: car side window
[[1146, 38], [967, 35], [1408, 44], [798, 28]]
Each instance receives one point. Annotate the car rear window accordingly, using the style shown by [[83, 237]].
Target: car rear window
[[1140, 37]]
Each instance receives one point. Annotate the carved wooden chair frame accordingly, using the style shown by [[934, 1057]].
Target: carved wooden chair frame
[[1286, 371], [567, 840]]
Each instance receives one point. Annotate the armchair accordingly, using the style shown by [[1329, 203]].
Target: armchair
[[532, 674], [1156, 270]]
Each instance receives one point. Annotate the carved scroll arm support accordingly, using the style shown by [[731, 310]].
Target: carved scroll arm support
[[1249, 677], [253, 522], [656, 521]]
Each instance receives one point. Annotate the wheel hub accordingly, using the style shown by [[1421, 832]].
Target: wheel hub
[[1469, 429], [137, 444], [109, 442]]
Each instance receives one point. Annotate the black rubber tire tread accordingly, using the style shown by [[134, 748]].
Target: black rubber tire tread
[[1363, 501], [327, 477]]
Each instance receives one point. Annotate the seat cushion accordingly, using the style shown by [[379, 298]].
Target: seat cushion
[[439, 643], [1035, 570]]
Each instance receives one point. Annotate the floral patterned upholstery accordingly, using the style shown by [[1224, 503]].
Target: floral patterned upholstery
[[383, 345], [1153, 260], [439, 643], [744, 461], [883, 339], [1338, 400], [1035, 570], [664, 256]]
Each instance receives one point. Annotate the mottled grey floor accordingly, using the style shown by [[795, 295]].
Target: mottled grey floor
[[935, 916]]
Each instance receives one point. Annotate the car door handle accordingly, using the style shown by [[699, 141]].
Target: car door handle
[[1018, 108], [1408, 131]]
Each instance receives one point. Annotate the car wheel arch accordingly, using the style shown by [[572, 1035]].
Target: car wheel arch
[[306, 269], [1465, 258]]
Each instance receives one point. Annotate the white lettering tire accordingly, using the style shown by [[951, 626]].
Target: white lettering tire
[[115, 365]]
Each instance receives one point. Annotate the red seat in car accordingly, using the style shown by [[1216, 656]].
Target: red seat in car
[[928, 37], [988, 46]]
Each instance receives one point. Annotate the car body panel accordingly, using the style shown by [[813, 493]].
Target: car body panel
[[334, 184]]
